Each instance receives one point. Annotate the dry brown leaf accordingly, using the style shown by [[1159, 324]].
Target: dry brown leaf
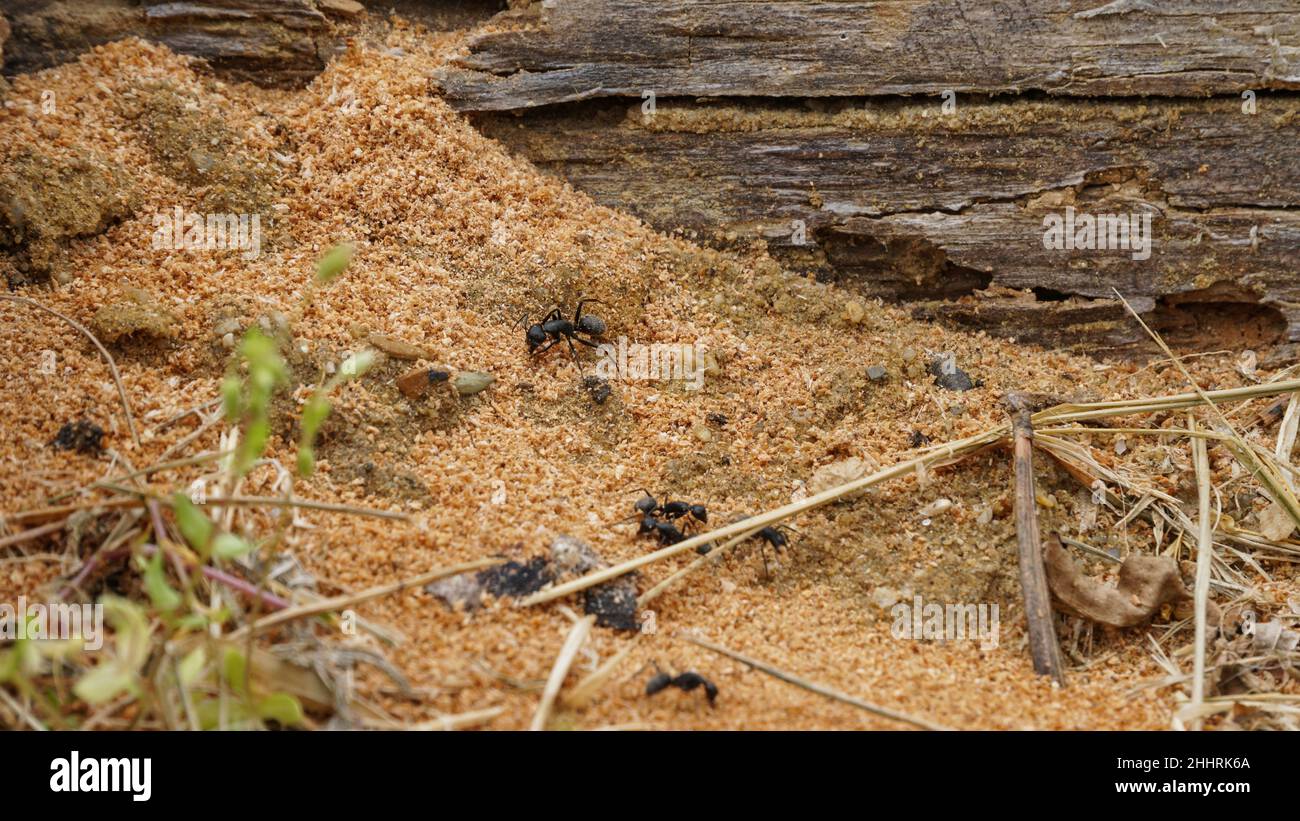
[[1145, 583], [1275, 524]]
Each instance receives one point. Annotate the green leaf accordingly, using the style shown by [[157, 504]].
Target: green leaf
[[155, 584], [8, 665], [191, 667], [333, 263], [281, 708], [209, 714], [195, 526], [131, 630], [104, 683], [306, 461], [191, 621], [230, 546], [232, 388], [233, 669], [314, 415], [258, 349], [253, 445]]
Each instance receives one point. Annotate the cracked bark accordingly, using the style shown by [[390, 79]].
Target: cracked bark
[[581, 49], [271, 42], [803, 123]]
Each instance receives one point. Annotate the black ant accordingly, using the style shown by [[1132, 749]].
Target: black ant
[[542, 336], [774, 536], [659, 519], [647, 505], [685, 682]]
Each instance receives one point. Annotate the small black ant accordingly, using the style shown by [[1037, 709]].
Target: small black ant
[[647, 505], [553, 328], [666, 532], [685, 682], [659, 519], [774, 536]]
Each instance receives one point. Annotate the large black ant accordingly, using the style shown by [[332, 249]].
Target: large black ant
[[542, 336], [685, 682]]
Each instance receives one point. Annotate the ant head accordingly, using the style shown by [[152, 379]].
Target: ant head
[[700, 513], [535, 335]]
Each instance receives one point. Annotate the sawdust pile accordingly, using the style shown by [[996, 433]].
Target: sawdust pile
[[455, 241]]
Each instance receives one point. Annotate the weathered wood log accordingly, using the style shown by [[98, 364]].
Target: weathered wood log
[[271, 42], [569, 50], [908, 203]]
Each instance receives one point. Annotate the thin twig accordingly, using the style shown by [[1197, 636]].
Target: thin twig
[[337, 603], [712, 556], [819, 689], [1073, 412], [955, 449], [112, 366], [572, 644], [138, 497], [34, 533], [32, 721]]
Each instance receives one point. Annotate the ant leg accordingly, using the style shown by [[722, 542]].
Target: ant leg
[[545, 347], [609, 354], [577, 315], [568, 338]]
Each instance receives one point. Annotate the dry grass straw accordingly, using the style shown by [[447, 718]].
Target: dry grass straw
[[813, 687], [568, 652], [1204, 554], [112, 366], [933, 456], [337, 603]]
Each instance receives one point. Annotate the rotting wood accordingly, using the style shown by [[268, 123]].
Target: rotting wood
[[270, 42], [900, 202], [582, 49]]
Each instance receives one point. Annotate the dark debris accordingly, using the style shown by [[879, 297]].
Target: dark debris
[[83, 436]]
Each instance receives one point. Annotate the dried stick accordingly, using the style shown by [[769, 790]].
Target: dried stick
[[335, 603], [138, 497], [812, 686], [713, 555], [1033, 578], [1204, 555], [112, 366], [943, 453], [572, 644], [934, 456], [34, 533]]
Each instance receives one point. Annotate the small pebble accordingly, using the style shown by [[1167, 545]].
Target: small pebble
[[877, 373], [469, 383]]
